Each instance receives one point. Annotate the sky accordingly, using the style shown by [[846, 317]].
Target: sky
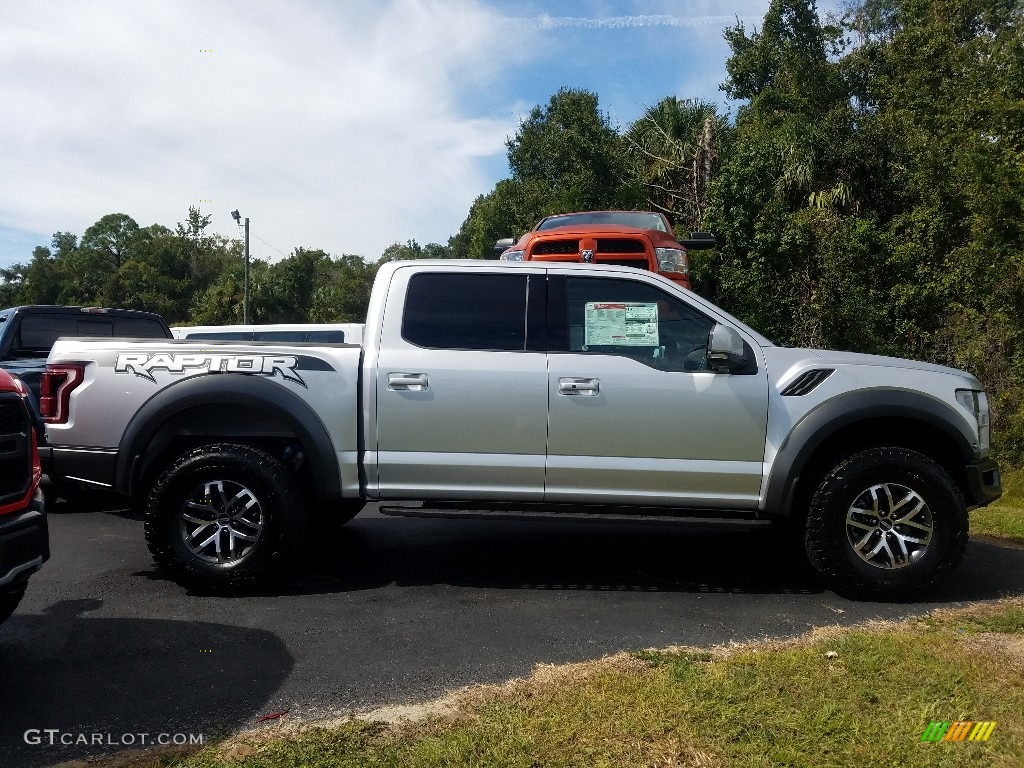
[[346, 126]]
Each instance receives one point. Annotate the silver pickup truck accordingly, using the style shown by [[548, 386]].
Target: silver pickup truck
[[527, 390]]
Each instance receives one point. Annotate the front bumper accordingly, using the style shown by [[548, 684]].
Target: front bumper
[[24, 543], [984, 482]]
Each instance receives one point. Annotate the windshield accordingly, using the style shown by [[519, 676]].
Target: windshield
[[636, 219]]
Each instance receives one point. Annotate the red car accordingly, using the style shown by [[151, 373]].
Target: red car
[[630, 238], [24, 538]]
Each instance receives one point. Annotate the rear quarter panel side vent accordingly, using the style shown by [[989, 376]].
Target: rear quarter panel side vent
[[807, 382]]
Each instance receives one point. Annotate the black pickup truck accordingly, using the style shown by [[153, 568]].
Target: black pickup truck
[[27, 334]]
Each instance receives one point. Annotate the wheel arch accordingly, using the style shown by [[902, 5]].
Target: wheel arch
[[223, 407], [861, 420]]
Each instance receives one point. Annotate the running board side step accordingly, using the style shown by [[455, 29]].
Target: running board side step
[[606, 515]]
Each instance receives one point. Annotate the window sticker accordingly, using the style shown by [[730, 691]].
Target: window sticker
[[630, 324]]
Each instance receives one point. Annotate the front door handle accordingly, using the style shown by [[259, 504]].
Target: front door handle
[[407, 382], [574, 386]]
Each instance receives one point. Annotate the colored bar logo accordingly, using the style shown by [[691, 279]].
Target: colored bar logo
[[958, 730]]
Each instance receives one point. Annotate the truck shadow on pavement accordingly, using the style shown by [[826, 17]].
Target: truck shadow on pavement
[[373, 551], [144, 676], [91, 502]]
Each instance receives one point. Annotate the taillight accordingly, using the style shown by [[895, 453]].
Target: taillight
[[55, 388]]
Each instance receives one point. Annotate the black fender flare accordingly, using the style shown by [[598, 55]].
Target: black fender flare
[[228, 389], [847, 409]]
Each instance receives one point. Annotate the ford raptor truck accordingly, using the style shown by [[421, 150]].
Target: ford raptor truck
[[528, 390], [630, 238]]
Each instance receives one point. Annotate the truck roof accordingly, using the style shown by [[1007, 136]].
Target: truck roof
[[62, 309]]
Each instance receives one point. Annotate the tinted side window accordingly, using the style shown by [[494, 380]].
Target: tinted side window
[[465, 311], [637, 320]]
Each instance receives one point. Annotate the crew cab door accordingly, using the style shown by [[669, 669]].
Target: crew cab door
[[461, 397], [635, 416]]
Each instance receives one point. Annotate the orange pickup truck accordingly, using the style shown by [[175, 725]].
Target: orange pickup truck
[[629, 238]]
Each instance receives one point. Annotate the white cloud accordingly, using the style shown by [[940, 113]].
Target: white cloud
[[330, 125], [624, 22], [344, 126]]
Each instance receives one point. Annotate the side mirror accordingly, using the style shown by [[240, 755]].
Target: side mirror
[[502, 245], [699, 241], [726, 351]]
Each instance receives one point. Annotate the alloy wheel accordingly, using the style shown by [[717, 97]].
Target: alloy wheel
[[889, 526], [221, 521]]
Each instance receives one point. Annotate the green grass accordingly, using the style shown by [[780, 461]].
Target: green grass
[[855, 697], [1005, 518]]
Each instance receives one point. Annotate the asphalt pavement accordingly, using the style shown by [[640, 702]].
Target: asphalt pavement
[[387, 610]]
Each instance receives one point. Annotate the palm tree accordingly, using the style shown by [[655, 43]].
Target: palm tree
[[674, 149]]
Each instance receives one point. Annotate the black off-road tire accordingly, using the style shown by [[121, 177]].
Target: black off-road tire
[[9, 600], [831, 525], [242, 490]]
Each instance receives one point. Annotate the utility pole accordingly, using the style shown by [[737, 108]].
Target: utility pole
[[245, 285], [245, 294]]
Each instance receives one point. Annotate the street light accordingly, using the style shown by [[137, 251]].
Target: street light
[[245, 285]]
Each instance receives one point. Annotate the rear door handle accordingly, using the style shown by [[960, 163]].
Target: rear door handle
[[407, 382], [574, 386]]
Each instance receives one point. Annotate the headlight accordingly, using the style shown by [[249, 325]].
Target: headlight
[[671, 260], [976, 402], [513, 256], [20, 386]]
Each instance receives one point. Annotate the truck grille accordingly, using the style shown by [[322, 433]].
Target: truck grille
[[556, 247], [12, 416], [15, 448], [620, 245]]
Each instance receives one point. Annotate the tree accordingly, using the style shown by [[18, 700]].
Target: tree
[[513, 207], [874, 199], [49, 278], [571, 148], [221, 302], [941, 84], [113, 239], [346, 295], [674, 149], [795, 174], [565, 157], [41, 280], [413, 250]]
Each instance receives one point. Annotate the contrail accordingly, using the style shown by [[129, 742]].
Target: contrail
[[622, 22]]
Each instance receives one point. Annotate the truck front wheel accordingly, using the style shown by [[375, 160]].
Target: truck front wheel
[[886, 523], [223, 516]]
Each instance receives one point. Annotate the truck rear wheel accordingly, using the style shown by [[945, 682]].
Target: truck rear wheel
[[886, 523], [224, 516], [9, 602]]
